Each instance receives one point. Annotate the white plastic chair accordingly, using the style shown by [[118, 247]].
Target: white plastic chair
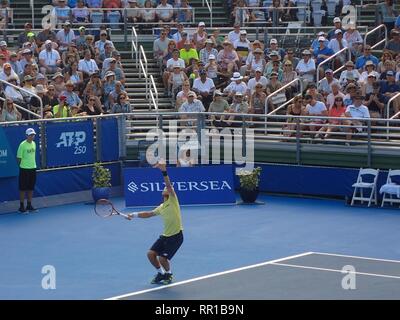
[[361, 184], [391, 188]]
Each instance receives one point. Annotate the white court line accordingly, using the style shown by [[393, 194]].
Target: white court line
[[210, 276], [356, 257], [334, 270]]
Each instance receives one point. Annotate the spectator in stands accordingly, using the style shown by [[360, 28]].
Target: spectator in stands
[[257, 100], [322, 53], [108, 49], [306, 67], [337, 110], [27, 59], [181, 97], [175, 81], [160, 46], [94, 3], [4, 51], [291, 57], [352, 36], [35, 103], [351, 92], [349, 70], [108, 87], [87, 65], [165, 12], [75, 76], [394, 44], [42, 80], [200, 36], [337, 44], [204, 88], [7, 72], [149, 14], [314, 108], [273, 47], [92, 107], [58, 83], [89, 45], [294, 109], [337, 26], [259, 78], [28, 86], [234, 34], [174, 60], [188, 53], [23, 36], [375, 101], [324, 86], [274, 60], [361, 61], [5, 14], [80, 40], [122, 104], [311, 90], [335, 93], [70, 55], [276, 12], [355, 110], [239, 14], [389, 65], [168, 53], [61, 110], [315, 43], [46, 34], [288, 75], [388, 14], [9, 111], [217, 39], [254, 61], [49, 59], [94, 86], [177, 36], [100, 44], [191, 105], [15, 64], [218, 105], [185, 12], [119, 89], [273, 85], [237, 85], [80, 13], [71, 97], [386, 56], [366, 87], [389, 88], [62, 12], [369, 68], [238, 106], [133, 12], [242, 47], [65, 37], [207, 51]]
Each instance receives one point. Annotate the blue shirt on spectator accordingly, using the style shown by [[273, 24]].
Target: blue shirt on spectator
[[397, 23], [388, 87], [315, 44], [72, 3], [325, 51], [360, 62], [94, 3]]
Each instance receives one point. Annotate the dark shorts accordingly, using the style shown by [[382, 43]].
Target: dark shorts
[[27, 179], [167, 246]]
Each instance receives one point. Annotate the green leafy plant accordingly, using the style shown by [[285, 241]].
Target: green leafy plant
[[249, 180], [101, 176]]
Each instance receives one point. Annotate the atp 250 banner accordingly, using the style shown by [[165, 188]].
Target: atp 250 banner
[[193, 185], [69, 143]]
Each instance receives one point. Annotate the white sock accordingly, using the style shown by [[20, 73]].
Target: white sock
[[168, 271], [161, 270]]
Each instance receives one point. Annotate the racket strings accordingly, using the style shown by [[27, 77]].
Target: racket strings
[[103, 208]]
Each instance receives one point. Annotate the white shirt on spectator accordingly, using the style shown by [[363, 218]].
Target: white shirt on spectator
[[50, 57], [162, 11], [234, 87], [13, 94], [316, 109], [65, 38], [358, 112], [233, 36], [207, 86], [334, 44], [252, 83], [302, 66], [172, 62], [88, 66], [196, 106]]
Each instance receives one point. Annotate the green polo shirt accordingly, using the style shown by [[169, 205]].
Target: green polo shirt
[[27, 153], [171, 214]]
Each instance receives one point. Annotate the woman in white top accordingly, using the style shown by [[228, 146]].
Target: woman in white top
[[200, 36], [149, 14], [176, 80], [352, 36], [10, 112], [181, 97]]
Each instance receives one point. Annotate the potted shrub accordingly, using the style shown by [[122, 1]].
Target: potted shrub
[[249, 182], [101, 182]]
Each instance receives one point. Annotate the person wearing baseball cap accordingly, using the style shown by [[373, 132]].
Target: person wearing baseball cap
[[23, 36], [208, 51], [26, 157], [337, 23]]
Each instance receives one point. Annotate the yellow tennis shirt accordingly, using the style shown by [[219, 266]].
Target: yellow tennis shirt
[[27, 153], [171, 214]]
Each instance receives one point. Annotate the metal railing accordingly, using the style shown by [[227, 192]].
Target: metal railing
[[288, 85], [209, 6], [387, 111], [154, 93], [374, 30], [29, 93], [135, 48], [341, 51], [151, 88]]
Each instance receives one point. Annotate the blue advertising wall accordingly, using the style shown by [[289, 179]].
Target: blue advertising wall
[[57, 182], [196, 185], [109, 139], [69, 143]]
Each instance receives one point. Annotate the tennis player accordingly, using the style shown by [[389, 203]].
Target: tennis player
[[170, 241]]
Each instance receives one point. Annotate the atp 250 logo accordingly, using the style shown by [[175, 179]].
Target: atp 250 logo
[[74, 139]]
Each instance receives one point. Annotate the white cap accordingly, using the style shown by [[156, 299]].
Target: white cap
[[30, 131], [48, 42], [3, 43], [243, 32], [211, 56], [202, 24], [337, 19], [321, 39], [321, 33], [273, 41], [338, 31]]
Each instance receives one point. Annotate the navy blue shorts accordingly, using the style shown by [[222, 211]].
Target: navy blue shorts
[[27, 179], [167, 246]]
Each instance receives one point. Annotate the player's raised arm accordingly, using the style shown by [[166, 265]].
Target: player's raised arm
[[163, 167]]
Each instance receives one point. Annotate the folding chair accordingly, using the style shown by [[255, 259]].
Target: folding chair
[[391, 188], [362, 184]]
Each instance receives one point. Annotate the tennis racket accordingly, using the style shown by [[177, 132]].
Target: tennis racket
[[104, 209]]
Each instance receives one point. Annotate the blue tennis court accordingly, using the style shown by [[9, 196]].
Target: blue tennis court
[[296, 246]]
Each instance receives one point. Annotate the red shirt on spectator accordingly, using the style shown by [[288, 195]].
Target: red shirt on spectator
[[112, 4]]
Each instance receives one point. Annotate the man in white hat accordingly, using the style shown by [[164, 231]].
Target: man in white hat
[[306, 67], [236, 85], [49, 59], [337, 44], [26, 157], [337, 26], [65, 36], [191, 105], [259, 78], [242, 46], [238, 106]]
